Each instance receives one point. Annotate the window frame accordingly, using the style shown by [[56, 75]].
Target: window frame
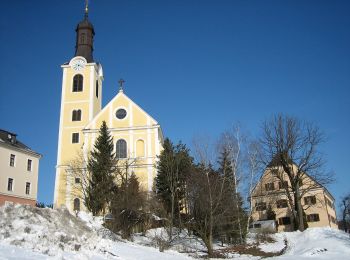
[[29, 165], [76, 204], [12, 160], [96, 89], [271, 186], [78, 83], [76, 115], [75, 138], [121, 150], [310, 200], [10, 184], [260, 206], [28, 188], [282, 204], [314, 217]]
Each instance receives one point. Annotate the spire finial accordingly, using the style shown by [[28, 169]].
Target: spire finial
[[86, 8], [121, 82]]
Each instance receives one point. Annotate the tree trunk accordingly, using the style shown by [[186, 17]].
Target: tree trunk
[[299, 209]]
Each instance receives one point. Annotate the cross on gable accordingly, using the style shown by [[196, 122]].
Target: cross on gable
[[121, 82]]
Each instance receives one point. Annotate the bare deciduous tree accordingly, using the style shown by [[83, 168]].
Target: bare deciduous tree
[[345, 206], [290, 150]]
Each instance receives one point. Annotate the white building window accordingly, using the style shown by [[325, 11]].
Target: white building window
[[10, 184], [29, 165], [12, 160], [27, 188]]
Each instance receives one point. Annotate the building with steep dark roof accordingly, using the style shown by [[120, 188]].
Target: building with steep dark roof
[[19, 168]]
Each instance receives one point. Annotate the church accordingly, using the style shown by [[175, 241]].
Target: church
[[136, 135]]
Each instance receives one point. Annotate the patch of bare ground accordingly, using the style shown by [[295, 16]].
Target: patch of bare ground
[[249, 249]]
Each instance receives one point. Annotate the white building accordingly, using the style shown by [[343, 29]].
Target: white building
[[19, 168]]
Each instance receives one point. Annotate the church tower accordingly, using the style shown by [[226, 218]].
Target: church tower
[[80, 101]]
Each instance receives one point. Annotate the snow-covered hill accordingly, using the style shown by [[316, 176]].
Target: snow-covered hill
[[33, 233]]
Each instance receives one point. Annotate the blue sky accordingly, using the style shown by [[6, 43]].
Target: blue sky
[[195, 66]]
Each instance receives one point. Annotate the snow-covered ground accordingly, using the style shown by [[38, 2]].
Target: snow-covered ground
[[32, 233]]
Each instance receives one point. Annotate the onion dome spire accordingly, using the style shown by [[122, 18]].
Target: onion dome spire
[[85, 37]]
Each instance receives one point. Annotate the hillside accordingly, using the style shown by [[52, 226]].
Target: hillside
[[33, 233]]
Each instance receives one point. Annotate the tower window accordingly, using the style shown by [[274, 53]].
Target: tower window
[[97, 88], [121, 148], [76, 115], [29, 165], [10, 184], [78, 83], [75, 138], [76, 204], [27, 188], [12, 160]]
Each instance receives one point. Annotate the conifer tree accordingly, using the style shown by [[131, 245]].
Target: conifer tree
[[101, 167], [173, 167]]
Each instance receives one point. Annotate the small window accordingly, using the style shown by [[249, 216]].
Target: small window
[[269, 186], [96, 88], [78, 83], [121, 113], [77, 180], [283, 185], [76, 204], [76, 115], [257, 225], [12, 160], [121, 149], [260, 206], [75, 138], [27, 188], [284, 221], [310, 200], [29, 165], [10, 184], [313, 218], [282, 204]]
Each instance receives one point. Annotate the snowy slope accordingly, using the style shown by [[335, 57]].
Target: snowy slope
[[316, 243], [32, 233]]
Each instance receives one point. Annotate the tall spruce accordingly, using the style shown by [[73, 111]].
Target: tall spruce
[[101, 167], [173, 165], [228, 227]]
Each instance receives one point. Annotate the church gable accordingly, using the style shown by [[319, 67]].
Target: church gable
[[122, 112]]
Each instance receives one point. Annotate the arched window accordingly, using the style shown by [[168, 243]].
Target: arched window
[[76, 204], [76, 115], [140, 148], [78, 83], [121, 149]]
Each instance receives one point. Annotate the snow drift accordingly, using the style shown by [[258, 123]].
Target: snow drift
[[33, 233]]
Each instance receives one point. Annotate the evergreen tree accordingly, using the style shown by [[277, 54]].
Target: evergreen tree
[[101, 167], [231, 205], [173, 167]]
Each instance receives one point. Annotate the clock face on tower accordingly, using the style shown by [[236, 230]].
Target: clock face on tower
[[78, 64]]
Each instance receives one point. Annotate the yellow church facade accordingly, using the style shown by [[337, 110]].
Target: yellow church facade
[[136, 135]]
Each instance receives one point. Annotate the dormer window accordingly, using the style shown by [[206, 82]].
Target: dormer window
[[78, 83]]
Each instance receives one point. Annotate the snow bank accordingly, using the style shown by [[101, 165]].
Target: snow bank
[[34, 233], [316, 243]]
